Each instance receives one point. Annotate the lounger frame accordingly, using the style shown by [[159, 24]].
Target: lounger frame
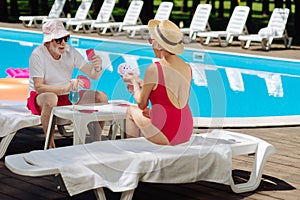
[[242, 145]]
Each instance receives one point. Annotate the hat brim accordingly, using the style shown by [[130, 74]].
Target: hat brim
[[50, 37], [177, 49]]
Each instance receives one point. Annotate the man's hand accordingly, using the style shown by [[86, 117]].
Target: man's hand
[[97, 63], [75, 84]]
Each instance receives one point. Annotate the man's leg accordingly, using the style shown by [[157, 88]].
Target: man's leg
[[95, 128], [47, 101]]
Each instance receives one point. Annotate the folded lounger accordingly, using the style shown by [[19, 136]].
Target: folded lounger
[[120, 164]]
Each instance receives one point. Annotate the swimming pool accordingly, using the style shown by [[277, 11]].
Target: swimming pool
[[227, 89]]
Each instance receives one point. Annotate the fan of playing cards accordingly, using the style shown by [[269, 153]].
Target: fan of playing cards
[[124, 69]]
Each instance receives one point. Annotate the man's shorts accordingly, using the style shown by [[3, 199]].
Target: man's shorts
[[63, 100]]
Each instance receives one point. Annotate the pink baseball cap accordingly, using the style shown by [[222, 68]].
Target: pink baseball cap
[[53, 29]]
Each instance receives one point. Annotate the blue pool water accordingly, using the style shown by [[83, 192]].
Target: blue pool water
[[223, 85]]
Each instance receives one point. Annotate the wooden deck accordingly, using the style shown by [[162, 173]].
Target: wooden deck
[[281, 175]]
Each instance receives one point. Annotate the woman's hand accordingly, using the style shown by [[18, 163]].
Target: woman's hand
[[130, 88], [132, 78], [146, 112]]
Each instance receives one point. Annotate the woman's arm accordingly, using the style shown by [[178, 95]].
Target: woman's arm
[[150, 81]]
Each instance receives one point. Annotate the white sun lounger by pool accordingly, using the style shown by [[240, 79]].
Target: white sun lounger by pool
[[82, 13], [104, 16], [236, 27], [199, 21], [276, 30], [131, 18], [163, 12], [55, 12], [120, 164]]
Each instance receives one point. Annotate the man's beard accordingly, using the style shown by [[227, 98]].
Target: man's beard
[[55, 50]]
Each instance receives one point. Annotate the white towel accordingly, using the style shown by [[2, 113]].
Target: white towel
[[267, 32], [119, 165], [16, 117]]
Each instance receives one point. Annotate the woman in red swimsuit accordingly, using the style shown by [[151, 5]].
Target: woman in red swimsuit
[[167, 85]]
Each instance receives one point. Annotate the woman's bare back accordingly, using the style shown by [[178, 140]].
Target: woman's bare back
[[177, 76]]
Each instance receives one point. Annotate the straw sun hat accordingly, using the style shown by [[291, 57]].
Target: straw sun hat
[[167, 34], [53, 29]]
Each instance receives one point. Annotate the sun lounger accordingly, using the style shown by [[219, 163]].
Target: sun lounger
[[13, 118], [276, 30], [236, 27], [120, 164], [55, 12], [131, 18], [104, 16], [199, 21], [82, 13], [163, 12]]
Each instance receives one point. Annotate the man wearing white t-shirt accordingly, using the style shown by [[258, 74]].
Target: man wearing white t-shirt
[[51, 68]]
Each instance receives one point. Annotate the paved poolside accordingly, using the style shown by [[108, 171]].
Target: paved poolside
[[281, 175]]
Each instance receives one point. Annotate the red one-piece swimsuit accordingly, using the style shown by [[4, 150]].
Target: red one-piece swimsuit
[[176, 124]]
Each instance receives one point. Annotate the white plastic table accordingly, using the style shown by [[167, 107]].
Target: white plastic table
[[82, 115]]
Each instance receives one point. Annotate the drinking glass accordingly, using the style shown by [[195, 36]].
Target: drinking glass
[[74, 96]]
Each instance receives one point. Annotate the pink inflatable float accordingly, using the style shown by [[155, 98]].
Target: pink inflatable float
[[18, 73]]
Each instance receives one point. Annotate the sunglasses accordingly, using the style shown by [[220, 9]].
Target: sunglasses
[[59, 40], [150, 40]]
